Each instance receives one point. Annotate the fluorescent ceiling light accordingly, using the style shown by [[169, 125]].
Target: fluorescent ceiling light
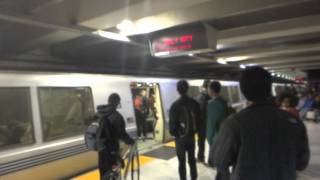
[[242, 66], [165, 53], [273, 74], [252, 65], [111, 35], [236, 58], [125, 25], [222, 61]]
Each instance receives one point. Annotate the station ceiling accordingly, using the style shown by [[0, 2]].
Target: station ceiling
[[283, 36]]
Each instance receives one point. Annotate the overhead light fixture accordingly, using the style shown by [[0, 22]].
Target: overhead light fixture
[[279, 75], [236, 58], [190, 54], [125, 25], [111, 35], [222, 61], [159, 54], [273, 74], [242, 66]]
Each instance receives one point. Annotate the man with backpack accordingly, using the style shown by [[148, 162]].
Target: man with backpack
[[112, 130], [184, 117]]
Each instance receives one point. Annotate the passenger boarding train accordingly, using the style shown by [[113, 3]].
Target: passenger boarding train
[[43, 117]]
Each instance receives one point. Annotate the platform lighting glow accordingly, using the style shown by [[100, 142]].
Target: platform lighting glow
[[190, 54], [236, 58], [242, 66], [279, 75], [273, 74], [111, 35], [165, 53], [222, 61], [125, 25]]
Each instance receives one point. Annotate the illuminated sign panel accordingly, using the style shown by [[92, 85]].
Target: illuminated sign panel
[[180, 41]]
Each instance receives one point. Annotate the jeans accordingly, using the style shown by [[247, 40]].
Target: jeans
[[186, 145]]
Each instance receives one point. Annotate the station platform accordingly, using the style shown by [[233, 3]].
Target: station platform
[[161, 163]]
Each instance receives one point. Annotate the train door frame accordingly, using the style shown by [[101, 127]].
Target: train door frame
[[159, 107]]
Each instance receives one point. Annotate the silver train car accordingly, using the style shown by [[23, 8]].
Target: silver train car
[[43, 117]]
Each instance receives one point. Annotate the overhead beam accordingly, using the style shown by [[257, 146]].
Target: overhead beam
[[102, 14], [156, 15], [259, 32], [38, 6], [47, 33], [273, 51], [284, 60], [299, 66]]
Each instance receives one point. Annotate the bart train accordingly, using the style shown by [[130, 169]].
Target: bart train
[[43, 117]]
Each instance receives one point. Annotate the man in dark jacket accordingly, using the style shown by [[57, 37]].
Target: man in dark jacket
[[184, 116], [109, 156], [261, 142], [202, 99]]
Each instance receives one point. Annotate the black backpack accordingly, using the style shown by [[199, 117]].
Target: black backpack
[[187, 122], [98, 133]]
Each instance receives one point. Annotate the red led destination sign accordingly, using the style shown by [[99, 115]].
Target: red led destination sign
[[181, 41]]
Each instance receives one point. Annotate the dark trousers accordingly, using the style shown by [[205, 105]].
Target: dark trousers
[[141, 123], [105, 160], [201, 145], [222, 175], [183, 146], [142, 126]]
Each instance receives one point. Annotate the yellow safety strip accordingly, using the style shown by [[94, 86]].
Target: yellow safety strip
[[94, 175]]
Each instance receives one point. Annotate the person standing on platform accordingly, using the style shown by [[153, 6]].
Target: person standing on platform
[[184, 117], [202, 99], [216, 111], [113, 125], [261, 142]]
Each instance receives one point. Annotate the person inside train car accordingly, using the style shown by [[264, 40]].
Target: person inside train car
[[203, 99], [153, 110], [289, 103], [141, 110], [110, 154], [261, 142], [184, 117]]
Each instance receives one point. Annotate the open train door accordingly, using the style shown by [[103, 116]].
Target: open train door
[[148, 113]]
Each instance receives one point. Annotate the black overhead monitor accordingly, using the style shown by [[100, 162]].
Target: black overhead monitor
[[190, 39]]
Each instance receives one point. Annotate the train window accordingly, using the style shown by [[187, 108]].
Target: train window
[[65, 111], [224, 93], [234, 94], [194, 91], [16, 126]]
